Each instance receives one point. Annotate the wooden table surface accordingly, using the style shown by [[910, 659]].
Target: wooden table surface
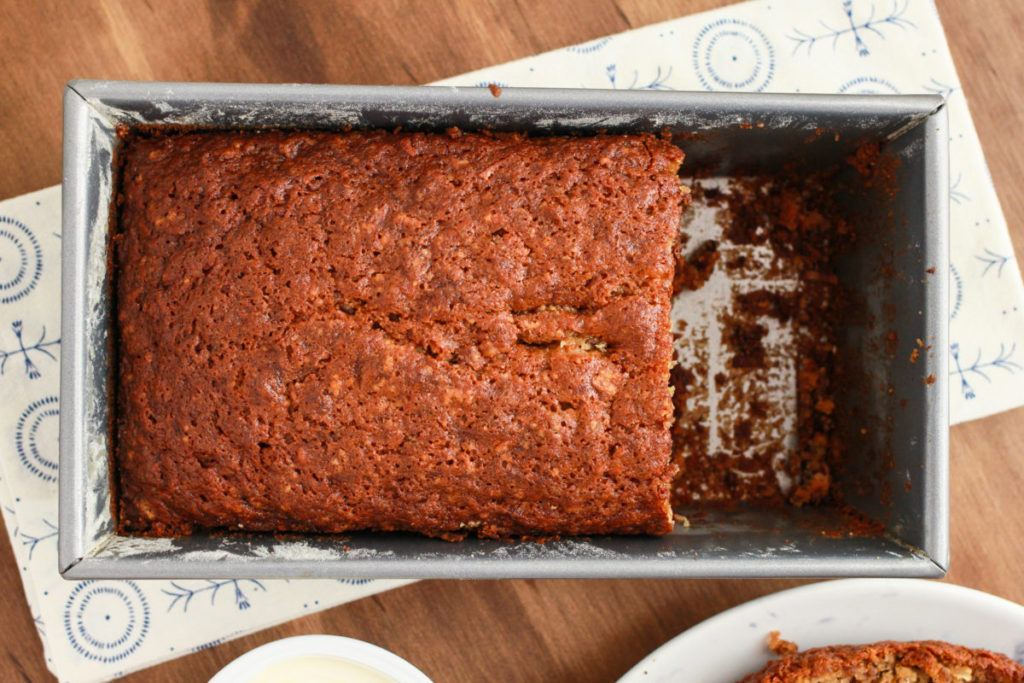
[[480, 630]]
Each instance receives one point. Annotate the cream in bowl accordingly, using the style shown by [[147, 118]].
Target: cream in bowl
[[319, 659]]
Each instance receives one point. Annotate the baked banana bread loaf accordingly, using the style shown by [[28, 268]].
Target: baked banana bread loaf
[[442, 333]]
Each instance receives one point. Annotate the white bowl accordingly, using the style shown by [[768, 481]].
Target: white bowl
[[358, 657], [730, 645]]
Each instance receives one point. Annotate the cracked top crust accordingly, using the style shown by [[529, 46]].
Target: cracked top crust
[[368, 330]]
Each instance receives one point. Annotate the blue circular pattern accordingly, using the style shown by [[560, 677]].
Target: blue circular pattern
[[868, 85], [106, 621], [592, 46], [27, 439], [958, 285], [207, 646], [21, 260], [730, 54]]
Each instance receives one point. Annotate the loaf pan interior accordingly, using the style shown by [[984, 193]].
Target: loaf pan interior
[[897, 475]]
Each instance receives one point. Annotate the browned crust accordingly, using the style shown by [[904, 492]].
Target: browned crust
[[367, 330], [918, 662]]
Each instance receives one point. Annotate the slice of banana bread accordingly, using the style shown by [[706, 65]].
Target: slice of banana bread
[[891, 662]]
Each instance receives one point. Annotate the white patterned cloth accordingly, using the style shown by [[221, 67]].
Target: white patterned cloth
[[92, 630]]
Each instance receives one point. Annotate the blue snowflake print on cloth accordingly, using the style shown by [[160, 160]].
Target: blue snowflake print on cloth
[[956, 195], [32, 541], [655, 82], [939, 88], [981, 369], [29, 353], [861, 28], [732, 54], [106, 621], [35, 452], [994, 262], [868, 85], [21, 260], [182, 595]]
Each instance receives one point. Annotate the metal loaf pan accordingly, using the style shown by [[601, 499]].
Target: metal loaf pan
[[720, 133]]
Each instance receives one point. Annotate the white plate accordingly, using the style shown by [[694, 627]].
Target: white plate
[[730, 645], [379, 661]]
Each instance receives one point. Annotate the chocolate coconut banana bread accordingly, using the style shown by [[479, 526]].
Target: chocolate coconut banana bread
[[891, 662], [444, 333]]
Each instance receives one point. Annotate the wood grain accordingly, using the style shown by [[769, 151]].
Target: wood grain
[[479, 630]]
